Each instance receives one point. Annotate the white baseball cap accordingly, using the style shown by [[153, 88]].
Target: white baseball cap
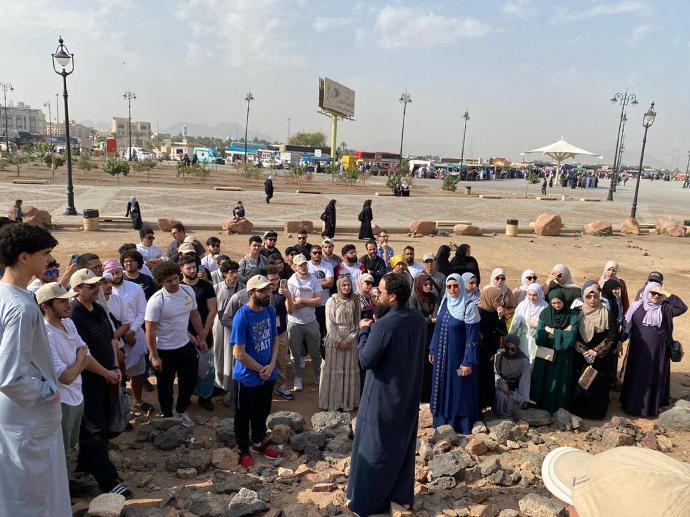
[[51, 291]]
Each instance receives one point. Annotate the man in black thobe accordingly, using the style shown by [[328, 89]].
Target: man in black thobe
[[392, 352]]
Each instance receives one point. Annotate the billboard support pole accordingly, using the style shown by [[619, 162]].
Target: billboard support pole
[[334, 134]]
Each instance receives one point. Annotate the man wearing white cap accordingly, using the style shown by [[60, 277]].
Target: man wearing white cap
[[437, 278], [255, 349], [625, 481]]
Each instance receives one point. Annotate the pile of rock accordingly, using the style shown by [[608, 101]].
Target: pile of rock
[[237, 226]]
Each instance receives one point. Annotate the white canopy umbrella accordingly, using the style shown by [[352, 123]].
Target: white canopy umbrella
[[560, 151]]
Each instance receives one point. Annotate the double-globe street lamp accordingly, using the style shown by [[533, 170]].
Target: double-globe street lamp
[[623, 99], [130, 96], [405, 99], [249, 98], [63, 58], [466, 116], [647, 122], [5, 88]]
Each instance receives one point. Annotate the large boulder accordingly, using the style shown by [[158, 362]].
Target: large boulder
[[40, 218], [449, 464], [466, 229], [670, 227], [422, 227], [166, 224], [548, 225], [630, 227], [226, 482], [598, 228], [289, 418], [535, 505], [332, 423], [173, 437], [107, 505], [676, 418], [533, 416], [240, 226], [295, 226]]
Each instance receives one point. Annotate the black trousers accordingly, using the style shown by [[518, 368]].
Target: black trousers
[[94, 432], [320, 313], [252, 406], [183, 362]]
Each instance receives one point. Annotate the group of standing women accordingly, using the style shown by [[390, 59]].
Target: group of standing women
[[551, 345]]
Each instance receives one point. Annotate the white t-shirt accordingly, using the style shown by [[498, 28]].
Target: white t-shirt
[[171, 311], [322, 271], [63, 348], [209, 262], [354, 271], [303, 288], [150, 252], [133, 297], [415, 268], [34, 285]]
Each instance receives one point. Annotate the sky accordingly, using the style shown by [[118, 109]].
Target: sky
[[527, 71]]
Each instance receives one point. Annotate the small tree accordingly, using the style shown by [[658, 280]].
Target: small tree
[[532, 178], [350, 176], [298, 172], [200, 171], [85, 163], [183, 170], [18, 160], [146, 166], [116, 168], [250, 172], [53, 161], [450, 182], [394, 180], [3, 162]]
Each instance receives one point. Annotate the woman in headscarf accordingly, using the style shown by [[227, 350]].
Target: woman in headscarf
[[526, 320], [365, 217], [597, 342], [442, 257], [134, 212], [471, 288], [339, 387], [425, 301], [552, 372], [492, 328], [454, 398], [507, 309], [365, 285], [528, 277], [328, 218], [512, 377], [561, 278], [649, 326], [611, 269], [463, 262]]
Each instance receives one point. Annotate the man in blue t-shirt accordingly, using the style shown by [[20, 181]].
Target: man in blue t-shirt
[[255, 349]]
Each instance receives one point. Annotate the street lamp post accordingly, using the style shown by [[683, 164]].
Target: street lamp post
[[5, 88], [647, 122], [623, 99], [405, 99], [130, 96], [466, 116], [63, 58], [249, 98], [50, 122]]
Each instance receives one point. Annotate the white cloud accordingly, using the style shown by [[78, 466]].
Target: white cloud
[[415, 27], [517, 8], [564, 15], [642, 30], [323, 24]]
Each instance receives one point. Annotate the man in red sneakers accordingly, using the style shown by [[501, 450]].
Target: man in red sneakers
[[255, 349]]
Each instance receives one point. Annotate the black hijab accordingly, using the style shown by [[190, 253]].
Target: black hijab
[[607, 292], [442, 263], [463, 263]]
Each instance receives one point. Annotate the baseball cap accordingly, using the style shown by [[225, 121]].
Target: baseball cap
[[655, 276], [190, 239], [186, 248], [270, 235], [257, 282], [326, 241], [299, 259], [630, 481], [51, 291], [84, 276], [429, 256]]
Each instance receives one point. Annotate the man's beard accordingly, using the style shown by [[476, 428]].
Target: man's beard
[[381, 310], [187, 277], [409, 261], [119, 283], [350, 261], [262, 302]]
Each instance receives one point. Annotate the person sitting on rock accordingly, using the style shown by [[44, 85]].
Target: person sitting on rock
[[512, 374]]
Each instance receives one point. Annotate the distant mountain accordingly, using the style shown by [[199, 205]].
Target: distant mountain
[[219, 131], [96, 124]]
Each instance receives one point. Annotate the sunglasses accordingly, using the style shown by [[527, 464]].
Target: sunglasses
[[53, 272], [531, 277], [500, 278], [301, 238], [368, 282], [511, 349], [214, 245], [272, 239], [654, 293]]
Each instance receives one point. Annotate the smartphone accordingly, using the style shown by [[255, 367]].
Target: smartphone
[[283, 283], [73, 259]]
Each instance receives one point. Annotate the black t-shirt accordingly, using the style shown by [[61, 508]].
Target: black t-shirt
[[203, 290], [94, 328], [146, 283]]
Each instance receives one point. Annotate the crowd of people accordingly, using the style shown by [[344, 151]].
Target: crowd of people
[[243, 327]]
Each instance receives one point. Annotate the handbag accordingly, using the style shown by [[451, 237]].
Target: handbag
[[587, 377], [675, 348], [119, 411], [546, 353]]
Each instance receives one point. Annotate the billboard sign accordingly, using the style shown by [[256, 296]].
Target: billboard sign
[[336, 98]]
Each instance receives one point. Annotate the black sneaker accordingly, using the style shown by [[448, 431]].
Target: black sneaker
[[206, 404], [79, 488], [122, 490]]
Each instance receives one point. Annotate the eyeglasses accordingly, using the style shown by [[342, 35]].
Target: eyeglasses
[[272, 239], [452, 286], [500, 278], [531, 277], [301, 238], [214, 245]]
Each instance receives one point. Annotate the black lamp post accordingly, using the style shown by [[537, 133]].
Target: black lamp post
[[405, 99], [5, 88], [466, 116], [130, 96], [63, 58], [249, 98], [647, 122], [623, 99]]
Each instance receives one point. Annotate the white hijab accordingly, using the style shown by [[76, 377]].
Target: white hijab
[[609, 264], [499, 271], [528, 310], [526, 283]]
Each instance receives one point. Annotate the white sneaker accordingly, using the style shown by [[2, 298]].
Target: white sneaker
[[185, 419], [298, 384]]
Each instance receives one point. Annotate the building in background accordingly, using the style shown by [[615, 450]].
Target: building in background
[[141, 133], [22, 118]]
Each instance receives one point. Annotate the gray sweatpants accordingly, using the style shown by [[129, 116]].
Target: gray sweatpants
[[299, 333], [71, 421]]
